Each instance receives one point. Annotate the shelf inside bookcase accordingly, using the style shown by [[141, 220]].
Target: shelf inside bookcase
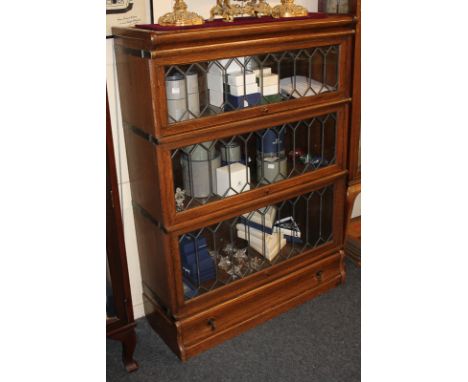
[[233, 249]]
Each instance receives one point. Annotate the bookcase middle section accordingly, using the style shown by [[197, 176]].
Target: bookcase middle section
[[233, 249], [221, 168]]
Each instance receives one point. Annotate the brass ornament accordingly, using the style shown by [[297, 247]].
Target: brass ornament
[[262, 8], [227, 11], [288, 9], [180, 16]]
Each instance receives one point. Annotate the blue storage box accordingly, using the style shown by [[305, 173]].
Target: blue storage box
[[191, 258], [206, 270], [238, 102], [187, 245]]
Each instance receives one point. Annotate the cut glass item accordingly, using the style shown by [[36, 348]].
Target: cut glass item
[[301, 86], [224, 263], [232, 179]]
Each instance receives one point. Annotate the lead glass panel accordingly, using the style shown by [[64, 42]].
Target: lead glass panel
[[213, 87], [233, 249], [217, 169]]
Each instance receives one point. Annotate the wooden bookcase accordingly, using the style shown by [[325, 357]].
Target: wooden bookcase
[[314, 130]]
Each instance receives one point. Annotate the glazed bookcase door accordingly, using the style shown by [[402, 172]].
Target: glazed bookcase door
[[221, 256], [229, 169], [198, 94]]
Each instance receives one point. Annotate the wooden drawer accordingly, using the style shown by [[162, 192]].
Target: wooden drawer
[[234, 316]]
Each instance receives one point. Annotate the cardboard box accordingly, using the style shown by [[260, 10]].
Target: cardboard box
[[269, 80], [269, 90], [216, 98], [264, 217], [266, 71], [237, 79], [215, 82], [232, 68], [239, 90], [234, 177]]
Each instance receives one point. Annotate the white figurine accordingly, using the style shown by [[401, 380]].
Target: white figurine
[[179, 199]]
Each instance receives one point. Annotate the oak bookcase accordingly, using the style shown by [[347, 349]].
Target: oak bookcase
[[203, 283]]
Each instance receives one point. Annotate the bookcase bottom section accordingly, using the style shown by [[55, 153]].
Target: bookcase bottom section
[[192, 335]]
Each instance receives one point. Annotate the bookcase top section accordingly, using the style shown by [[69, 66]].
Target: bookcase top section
[[153, 36]]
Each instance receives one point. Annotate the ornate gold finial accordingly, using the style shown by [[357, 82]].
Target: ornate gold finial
[[180, 16], [288, 9], [262, 8], [225, 9]]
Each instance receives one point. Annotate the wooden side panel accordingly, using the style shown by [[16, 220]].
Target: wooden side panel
[[355, 131], [155, 260], [135, 88], [143, 173]]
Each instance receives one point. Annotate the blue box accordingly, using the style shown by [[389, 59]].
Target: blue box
[[270, 142], [238, 102], [206, 270], [187, 245], [293, 239], [191, 258]]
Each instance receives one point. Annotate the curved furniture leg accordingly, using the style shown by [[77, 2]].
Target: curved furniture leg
[[128, 348]]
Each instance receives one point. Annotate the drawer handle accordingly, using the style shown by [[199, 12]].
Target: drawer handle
[[319, 274], [265, 109], [212, 323]]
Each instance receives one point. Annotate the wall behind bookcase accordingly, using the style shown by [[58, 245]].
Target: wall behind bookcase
[[160, 7]]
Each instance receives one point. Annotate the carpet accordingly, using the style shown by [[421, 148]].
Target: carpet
[[317, 341]]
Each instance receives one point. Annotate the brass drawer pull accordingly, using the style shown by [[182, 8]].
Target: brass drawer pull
[[319, 274], [212, 323]]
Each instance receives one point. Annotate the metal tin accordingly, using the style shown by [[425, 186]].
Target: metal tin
[[270, 142], [334, 6], [201, 151], [231, 153], [192, 82], [199, 176], [175, 87], [271, 169]]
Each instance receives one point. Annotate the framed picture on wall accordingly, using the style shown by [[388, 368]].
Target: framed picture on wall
[[126, 13]]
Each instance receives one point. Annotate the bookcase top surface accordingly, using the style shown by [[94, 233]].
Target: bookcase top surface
[[154, 35]]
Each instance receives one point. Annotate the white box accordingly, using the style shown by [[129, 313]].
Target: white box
[[240, 177], [237, 79], [215, 82], [233, 67], [269, 90], [216, 98], [264, 216], [269, 80], [265, 71], [239, 90]]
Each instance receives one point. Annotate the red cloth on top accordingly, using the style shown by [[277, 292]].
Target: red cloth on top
[[237, 21]]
